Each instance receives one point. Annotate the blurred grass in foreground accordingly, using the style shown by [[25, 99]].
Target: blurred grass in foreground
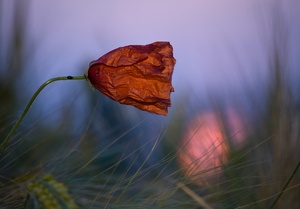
[[102, 166]]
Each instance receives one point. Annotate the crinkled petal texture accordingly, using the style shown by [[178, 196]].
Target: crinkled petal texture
[[138, 75]]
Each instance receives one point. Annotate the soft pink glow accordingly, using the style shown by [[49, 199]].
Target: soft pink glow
[[204, 147]]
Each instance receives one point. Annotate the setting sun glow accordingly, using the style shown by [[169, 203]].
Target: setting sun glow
[[204, 147]]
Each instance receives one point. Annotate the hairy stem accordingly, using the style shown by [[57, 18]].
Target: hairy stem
[[15, 127]]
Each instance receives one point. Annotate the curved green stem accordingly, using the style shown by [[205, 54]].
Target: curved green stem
[[15, 127]]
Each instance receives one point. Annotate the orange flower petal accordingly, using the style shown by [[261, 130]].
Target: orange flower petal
[[138, 75]]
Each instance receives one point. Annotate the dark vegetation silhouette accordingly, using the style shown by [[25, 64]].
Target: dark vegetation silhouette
[[113, 160]]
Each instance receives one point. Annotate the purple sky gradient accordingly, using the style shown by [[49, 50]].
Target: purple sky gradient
[[220, 46]]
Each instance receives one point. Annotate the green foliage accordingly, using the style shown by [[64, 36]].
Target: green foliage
[[112, 161], [50, 193]]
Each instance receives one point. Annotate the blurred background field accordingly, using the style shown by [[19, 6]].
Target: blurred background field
[[232, 136]]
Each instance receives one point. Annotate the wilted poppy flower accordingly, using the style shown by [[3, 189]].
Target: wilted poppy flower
[[138, 75]]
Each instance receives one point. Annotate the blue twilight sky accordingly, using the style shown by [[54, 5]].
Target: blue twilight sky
[[221, 47]]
